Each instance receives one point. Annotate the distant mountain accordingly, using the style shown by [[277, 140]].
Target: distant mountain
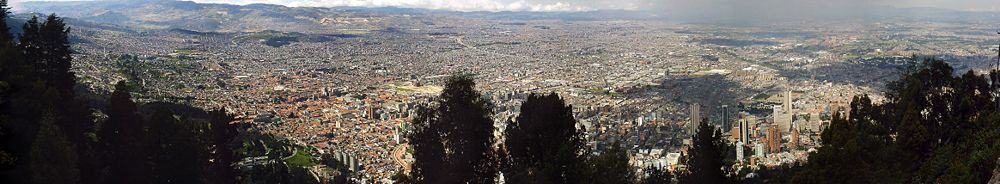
[[169, 14], [571, 16], [16, 24], [173, 14]]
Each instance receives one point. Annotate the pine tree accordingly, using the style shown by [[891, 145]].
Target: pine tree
[[23, 103], [6, 50], [57, 56], [5, 34], [544, 145], [123, 135], [57, 59], [429, 165], [177, 153], [705, 164], [223, 135], [46, 45], [31, 45], [53, 157], [459, 128], [611, 167]]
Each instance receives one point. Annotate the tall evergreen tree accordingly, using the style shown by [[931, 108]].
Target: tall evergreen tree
[[429, 165], [46, 46], [57, 56], [176, 149], [5, 34], [123, 135], [611, 167], [543, 144], [27, 98], [23, 104], [56, 59], [705, 163], [460, 129], [31, 45], [223, 135], [53, 157], [6, 50]]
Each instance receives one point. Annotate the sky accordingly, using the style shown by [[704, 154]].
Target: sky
[[584, 5], [682, 6]]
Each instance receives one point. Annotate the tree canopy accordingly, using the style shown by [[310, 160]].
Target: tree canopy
[[544, 144], [935, 127], [453, 139], [705, 162]]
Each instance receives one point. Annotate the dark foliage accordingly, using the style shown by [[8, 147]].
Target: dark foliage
[[453, 140], [936, 127], [611, 167], [53, 157], [5, 34], [8, 53], [124, 136], [224, 134], [30, 97], [655, 175], [179, 154], [543, 144], [49, 136], [705, 162]]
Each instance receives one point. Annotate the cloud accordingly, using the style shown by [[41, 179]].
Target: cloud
[[674, 6], [458, 5], [583, 5]]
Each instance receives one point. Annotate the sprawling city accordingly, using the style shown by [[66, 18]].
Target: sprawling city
[[232, 92]]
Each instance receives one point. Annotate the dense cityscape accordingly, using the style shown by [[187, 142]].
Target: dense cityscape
[[348, 83]]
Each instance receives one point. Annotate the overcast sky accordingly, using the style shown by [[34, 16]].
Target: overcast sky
[[581, 5], [804, 6]]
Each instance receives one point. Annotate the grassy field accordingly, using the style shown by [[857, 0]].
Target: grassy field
[[300, 159]]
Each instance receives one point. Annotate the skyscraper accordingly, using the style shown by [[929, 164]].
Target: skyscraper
[[773, 139], [726, 123], [739, 151], [788, 102], [783, 117], [745, 131], [795, 139], [695, 118]]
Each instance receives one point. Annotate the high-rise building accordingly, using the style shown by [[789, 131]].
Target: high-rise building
[[773, 140], [782, 118], [759, 150], [745, 130], [739, 151], [734, 134], [726, 123], [795, 139], [695, 118], [788, 101]]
